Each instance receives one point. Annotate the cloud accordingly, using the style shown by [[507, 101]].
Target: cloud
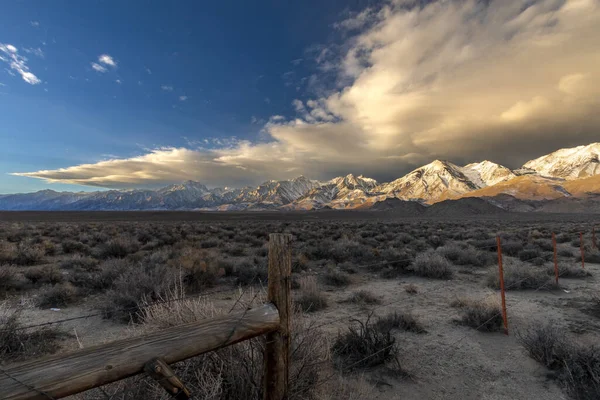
[[183, 98], [10, 55], [36, 52], [99, 68], [461, 80], [118, 81], [107, 60], [167, 88], [35, 24]]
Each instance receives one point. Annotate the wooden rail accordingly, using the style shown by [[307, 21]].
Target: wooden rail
[[66, 374]]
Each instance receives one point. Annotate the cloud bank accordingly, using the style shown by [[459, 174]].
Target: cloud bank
[[458, 80]]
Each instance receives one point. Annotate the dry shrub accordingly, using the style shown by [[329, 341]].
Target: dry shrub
[[404, 321], [119, 247], [577, 366], [138, 284], [70, 246], [60, 295], [48, 274], [465, 255], [569, 271], [337, 278], [17, 343], [77, 261], [311, 299], [200, 270], [432, 265], [518, 275], [411, 288], [363, 297], [483, 315], [364, 345], [8, 252], [248, 274], [592, 256], [8, 279], [28, 253]]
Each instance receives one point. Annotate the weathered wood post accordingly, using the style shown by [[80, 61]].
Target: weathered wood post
[[501, 276], [278, 343]]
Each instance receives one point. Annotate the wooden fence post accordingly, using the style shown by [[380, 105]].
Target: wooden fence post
[[555, 258], [582, 250], [501, 275], [278, 343]]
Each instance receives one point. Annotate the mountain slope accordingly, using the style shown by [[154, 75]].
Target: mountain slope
[[528, 187], [573, 163], [487, 173], [433, 182]]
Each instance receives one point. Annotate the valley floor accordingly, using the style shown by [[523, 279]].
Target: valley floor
[[86, 267]]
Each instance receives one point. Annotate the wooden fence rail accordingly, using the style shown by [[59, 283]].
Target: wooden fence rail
[[66, 374]]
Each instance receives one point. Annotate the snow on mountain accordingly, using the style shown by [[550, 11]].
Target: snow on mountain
[[278, 192], [487, 173], [433, 182], [342, 192], [572, 163]]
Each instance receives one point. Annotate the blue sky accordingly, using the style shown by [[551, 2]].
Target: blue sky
[[118, 94], [185, 71]]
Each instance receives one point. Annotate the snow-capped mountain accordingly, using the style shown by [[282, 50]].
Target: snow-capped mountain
[[573, 163], [563, 174], [278, 192], [433, 182], [487, 173], [341, 192]]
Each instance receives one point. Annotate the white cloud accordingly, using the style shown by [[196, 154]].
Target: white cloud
[[460, 80], [118, 81], [35, 24], [10, 55], [36, 52], [107, 60], [99, 68], [149, 71], [167, 88], [183, 98]]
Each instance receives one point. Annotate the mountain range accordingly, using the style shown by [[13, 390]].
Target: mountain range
[[553, 182]]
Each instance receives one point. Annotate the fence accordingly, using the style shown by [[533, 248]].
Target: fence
[[67, 374], [63, 375]]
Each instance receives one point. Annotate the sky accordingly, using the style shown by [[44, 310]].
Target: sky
[[113, 94]]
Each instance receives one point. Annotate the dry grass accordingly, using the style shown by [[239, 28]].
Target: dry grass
[[17, 343], [432, 265], [411, 288], [363, 297], [311, 298], [483, 315], [518, 276], [234, 372], [577, 367], [364, 345], [404, 321]]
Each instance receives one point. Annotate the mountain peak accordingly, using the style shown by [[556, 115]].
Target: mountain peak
[[569, 163]]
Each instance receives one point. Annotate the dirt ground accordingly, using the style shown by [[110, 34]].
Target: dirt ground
[[448, 361]]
